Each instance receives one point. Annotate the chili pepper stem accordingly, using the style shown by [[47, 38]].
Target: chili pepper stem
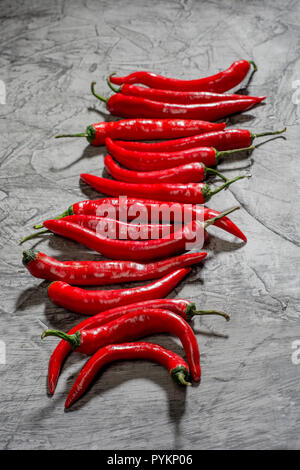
[[212, 312], [223, 153], [228, 183], [263, 134], [82, 134], [28, 255], [74, 339], [101, 98], [215, 172], [253, 64], [180, 377], [69, 211], [33, 235], [218, 217], [89, 134], [116, 90]]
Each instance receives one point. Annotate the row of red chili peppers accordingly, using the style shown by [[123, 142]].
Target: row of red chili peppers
[[80, 222], [175, 175], [114, 325], [92, 302], [193, 99], [188, 192], [141, 322], [83, 228]]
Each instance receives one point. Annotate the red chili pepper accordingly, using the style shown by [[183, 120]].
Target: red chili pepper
[[145, 129], [100, 273], [132, 107], [132, 326], [178, 97], [150, 161], [112, 228], [220, 140], [182, 307], [132, 207], [188, 173], [218, 83], [90, 302], [177, 367], [189, 193], [147, 250]]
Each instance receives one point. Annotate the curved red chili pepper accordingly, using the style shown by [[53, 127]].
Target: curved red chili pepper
[[145, 129], [179, 97], [132, 106], [151, 161], [188, 173], [100, 273], [177, 367], [220, 140], [217, 83], [132, 207], [90, 302], [148, 250], [189, 193], [112, 228], [182, 307], [132, 326]]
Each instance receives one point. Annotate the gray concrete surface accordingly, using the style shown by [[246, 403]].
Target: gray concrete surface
[[249, 394]]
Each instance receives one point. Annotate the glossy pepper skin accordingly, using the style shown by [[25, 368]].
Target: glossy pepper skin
[[125, 249], [101, 273], [186, 193], [177, 367], [113, 228], [218, 83], [133, 207], [132, 106], [133, 326], [182, 307], [148, 250], [180, 97], [220, 140], [140, 160], [90, 302], [188, 173], [145, 129]]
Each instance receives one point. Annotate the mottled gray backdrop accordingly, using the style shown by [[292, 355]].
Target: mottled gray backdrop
[[249, 393]]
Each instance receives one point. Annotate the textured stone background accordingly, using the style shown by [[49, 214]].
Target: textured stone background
[[249, 394]]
